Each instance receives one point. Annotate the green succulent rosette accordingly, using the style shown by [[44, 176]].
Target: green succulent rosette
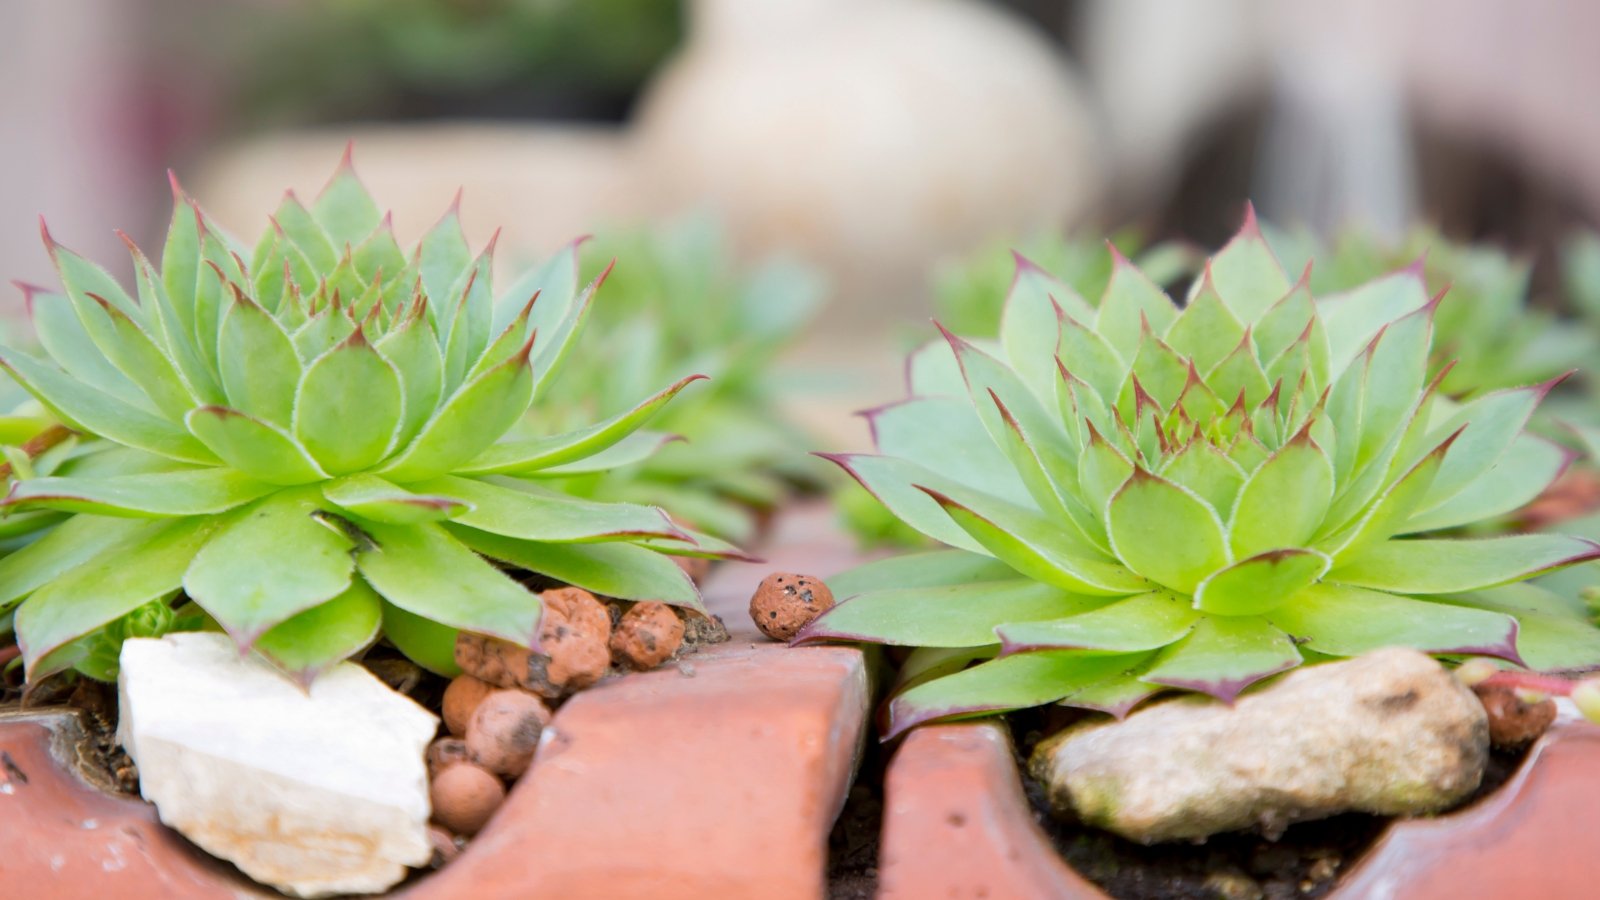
[[677, 304], [318, 440], [1138, 496]]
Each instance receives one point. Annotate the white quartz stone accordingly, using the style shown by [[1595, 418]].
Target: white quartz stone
[[315, 792]]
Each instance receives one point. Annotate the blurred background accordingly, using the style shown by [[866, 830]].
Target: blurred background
[[876, 139]]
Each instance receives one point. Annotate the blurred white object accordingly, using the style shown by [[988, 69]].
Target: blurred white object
[[315, 791], [871, 135]]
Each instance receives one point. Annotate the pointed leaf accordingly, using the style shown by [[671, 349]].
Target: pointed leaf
[[423, 570], [67, 547], [424, 641], [1349, 621], [962, 615], [1130, 300], [469, 422], [413, 350], [1246, 273], [313, 641], [520, 510], [344, 209], [615, 569], [262, 451], [1165, 532], [1447, 566], [101, 414], [191, 492], [1523, 472], [108, 587], [1011, 682], [273, 560], [1223, 656], [1036, 548], [347, 407], [1029, 326], [523, 456], [1261, 583], [1285, 501], [258, 362], [1147, 621], [371, 497]]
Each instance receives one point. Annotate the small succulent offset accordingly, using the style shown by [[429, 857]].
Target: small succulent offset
[[1488, 330], [313, 442], [1139, 496], [677, 304]]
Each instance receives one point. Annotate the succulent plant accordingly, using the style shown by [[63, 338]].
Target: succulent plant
[[316, 441], [970, 293], [1488, 330], [676, 304], [1139, 497]]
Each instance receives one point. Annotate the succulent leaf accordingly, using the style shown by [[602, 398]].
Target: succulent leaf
[[1218, 491]]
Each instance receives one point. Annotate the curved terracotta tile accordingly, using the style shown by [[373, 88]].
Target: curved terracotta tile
[[1534, 838], [717, 780], [65, 838], [957, 825]]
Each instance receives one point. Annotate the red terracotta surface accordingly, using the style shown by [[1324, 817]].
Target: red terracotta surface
[[1537, 837], [720, 783], [63, 839], [956, 823]]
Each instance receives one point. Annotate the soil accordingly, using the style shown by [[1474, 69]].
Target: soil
[[1305, 862], [853, 843]]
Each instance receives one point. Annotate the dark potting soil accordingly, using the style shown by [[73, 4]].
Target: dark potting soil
[[853, 843], [1306, 861]]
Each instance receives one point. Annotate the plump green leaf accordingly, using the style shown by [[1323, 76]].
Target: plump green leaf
[[63, 336], [1260, 583], [522, 456], [1284, 501], [1206, 331], [637, 448], [616, 569], [191, 492], [1010, 682], [894, 483], [423, 570], [945, 435], [1447, 566], [1029, 325], [1224, 655], [1142, 622], [1130, 300], [69, 546], [108, 586], [1349, 621], [468, 423], [262, 451], [960, 615], [521, 510], [312, 641], [272, 561], [1166, 533], [258, 362], [371, 497], [344, 209], [1522, 473], [1554, 634], [1029, 544], [347, 407], [424, 641], [1246, 272], [96, 412]]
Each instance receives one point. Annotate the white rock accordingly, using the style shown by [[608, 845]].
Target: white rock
[[314, 792], [1390, 733]]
